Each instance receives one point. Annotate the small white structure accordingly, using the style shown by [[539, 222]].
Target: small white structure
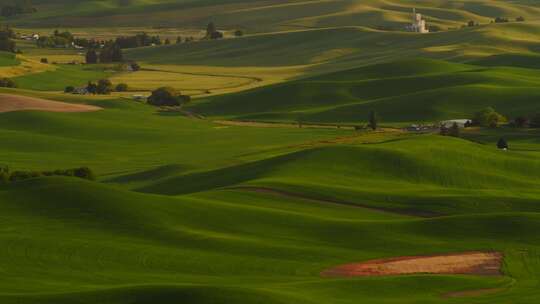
[[418, 25], [460, 122], [139, 97]]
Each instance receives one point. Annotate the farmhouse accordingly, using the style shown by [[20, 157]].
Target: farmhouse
[[418, 25], [462, 123]]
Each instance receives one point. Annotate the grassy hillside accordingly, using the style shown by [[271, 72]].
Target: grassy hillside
[[87, 242], [424, 174], [198, 210], [7, 59], [305, 53], [208, 213], [271, 15], [132, 136], [402, 91]]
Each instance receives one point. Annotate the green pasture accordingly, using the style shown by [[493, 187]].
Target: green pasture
[[401, 92], [7, 59], [206, 211], [174, 217]]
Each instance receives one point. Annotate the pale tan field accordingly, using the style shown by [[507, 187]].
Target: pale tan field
[[205, 80], [11, 103]]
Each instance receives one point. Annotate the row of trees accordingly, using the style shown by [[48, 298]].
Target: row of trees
[[6, 175], [473, 23], [102, 87], [488, 117], [57, 39], [109, 53], [19, 8], [532, 121], [139, 40]]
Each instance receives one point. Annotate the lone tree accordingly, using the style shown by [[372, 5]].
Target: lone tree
[[373, 120], [210, 29], [502, 144], [121, 87], [167, 97]]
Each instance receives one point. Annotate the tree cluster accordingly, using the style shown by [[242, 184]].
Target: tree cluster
[[22, 7], [57, 39], [14, 176], [7, 83], [167, 97], [488, 117], [139, 40], [102, 87], [523, 121], [111, 52]]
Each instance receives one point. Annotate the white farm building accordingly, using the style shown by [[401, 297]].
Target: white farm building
[[418, 24]]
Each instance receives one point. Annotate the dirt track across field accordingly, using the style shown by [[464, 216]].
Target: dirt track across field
[[10, 103], [477, 263]]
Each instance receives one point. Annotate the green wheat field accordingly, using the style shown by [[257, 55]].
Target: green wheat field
[[296, 153]]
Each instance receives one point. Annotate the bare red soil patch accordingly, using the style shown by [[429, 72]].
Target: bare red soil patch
[[10, 103], [478, 263]]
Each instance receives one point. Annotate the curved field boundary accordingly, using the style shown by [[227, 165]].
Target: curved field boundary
[[11, 103], [475, 263], [330, 201], [249, 79]]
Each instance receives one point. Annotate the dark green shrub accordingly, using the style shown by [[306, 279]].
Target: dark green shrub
[[104, 87], [121, 87], [167, 97], [7, 83], [502, 144]]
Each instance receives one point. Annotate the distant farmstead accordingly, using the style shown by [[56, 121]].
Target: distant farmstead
[[462, 123]]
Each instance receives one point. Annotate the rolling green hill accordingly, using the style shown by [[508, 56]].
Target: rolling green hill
[[401, 92], [7, 59], [204, 209], [190, 210], [268, 15]]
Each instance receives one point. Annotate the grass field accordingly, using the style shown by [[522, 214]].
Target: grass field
[[92, 242], [251, 201], [7, 59], [422, 91], [261, 16]]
